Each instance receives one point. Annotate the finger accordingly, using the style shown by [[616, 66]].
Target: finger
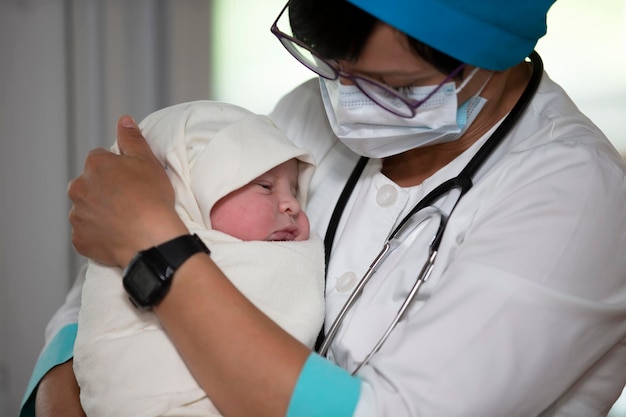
[[74, 189], [97, 151], [93, 155], [129, 138], [96, 160]]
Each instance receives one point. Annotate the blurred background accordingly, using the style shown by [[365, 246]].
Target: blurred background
[[69, 68]]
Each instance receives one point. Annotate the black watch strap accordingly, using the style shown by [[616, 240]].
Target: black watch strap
[[178, 250]]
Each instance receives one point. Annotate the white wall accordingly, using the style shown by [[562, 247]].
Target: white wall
[[250, 66], [69, 68]]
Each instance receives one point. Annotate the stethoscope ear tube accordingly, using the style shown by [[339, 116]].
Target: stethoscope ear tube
[[340, 206]]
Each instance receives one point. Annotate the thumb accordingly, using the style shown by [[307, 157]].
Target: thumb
[[129, 137]]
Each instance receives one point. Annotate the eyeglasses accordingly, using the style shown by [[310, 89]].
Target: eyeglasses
[[386, 97]]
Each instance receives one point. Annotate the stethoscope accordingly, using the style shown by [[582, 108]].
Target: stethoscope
[[424, 210]]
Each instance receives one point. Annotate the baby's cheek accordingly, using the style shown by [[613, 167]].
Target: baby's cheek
[[305, 227], [234, 223]]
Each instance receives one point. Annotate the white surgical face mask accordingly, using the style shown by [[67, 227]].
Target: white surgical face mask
[[369, 130]]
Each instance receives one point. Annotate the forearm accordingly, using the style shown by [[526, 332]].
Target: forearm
[[245, 362], [58, 393]]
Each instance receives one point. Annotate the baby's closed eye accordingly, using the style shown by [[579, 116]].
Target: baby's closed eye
[[265, 184]]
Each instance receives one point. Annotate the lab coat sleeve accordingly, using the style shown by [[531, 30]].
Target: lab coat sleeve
[[60, 336], [527, 314]]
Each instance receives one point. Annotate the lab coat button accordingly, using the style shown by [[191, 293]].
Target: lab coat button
[[345, 282], [387, 195]]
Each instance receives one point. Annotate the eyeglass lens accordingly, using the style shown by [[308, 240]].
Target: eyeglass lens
[[389, 99], [310, 60]]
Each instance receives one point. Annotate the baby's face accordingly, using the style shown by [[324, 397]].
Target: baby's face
[[264, 209]]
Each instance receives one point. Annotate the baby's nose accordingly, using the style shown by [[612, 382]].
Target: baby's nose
[[290, 205]]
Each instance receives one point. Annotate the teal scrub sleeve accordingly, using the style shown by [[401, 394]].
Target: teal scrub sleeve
[[58, 351], [324, 389]]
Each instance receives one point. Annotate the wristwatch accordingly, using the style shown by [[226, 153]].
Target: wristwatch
[[148, 276]]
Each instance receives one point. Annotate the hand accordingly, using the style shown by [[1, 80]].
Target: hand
[[122, 203]]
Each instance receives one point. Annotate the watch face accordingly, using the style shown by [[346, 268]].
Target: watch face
[[144, 282], [149, 274]]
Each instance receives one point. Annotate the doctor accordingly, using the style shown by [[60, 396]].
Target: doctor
[[524, 310]]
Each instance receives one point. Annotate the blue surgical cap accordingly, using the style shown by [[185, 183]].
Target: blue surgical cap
[[491, 34]]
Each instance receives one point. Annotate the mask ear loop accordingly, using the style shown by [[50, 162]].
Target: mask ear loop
[[466, 80], [469, 78]]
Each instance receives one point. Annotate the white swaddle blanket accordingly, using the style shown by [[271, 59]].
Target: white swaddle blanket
[[124, 361]]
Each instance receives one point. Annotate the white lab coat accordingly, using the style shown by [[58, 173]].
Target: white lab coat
[[525, 312]]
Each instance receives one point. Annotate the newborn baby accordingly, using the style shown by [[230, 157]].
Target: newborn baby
[[240, 185]]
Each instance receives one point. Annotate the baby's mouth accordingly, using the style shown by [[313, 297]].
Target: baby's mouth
[[288, 233]]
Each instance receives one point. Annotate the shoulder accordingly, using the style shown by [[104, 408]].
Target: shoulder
[[555, 197], [552, 118], [301, 116], [554, 141]]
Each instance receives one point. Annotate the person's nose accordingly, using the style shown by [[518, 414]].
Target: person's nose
[[344, 72], [345, 81]]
